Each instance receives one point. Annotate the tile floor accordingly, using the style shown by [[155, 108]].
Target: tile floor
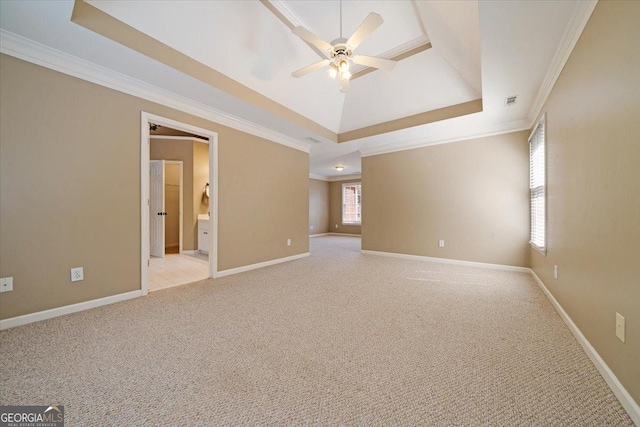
[[177, 269]]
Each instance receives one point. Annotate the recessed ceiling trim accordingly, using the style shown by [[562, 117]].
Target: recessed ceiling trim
[[445, 113], [106, 25], [290, 19], [398, 57]]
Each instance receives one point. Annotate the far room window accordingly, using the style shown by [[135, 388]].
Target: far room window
[[537, 182], [351, 203]]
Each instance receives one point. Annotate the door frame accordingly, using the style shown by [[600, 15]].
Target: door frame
[[145, 158], [181, 195]]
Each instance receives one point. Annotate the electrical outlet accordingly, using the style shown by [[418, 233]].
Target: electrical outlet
[[77, 274], [620, 326], [6, 284], [336, 225], [555, 271], [288, 242], [441, 243]]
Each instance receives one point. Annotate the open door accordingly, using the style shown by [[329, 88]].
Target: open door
[[156, 208]]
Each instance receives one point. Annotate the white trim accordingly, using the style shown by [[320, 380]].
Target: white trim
[[347, 234], [396, 51], [464, 135], [259, 265], [67, 309], [344, 177], [145, 119], [319, 234], [579, 19], [290, 15], [616, 386], [179, 138], [40, 54], [189, 252], [318, 177], [449, 261]]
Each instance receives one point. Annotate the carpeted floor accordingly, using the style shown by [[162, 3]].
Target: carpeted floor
[[338, 338]]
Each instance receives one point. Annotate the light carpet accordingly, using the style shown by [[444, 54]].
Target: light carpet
[[339, 338]]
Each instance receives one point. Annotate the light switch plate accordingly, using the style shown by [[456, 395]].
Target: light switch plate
[[555, 271], [620, 326], [6, 284]]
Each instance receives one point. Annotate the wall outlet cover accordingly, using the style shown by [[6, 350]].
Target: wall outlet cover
[[6, 284], [441, 243], [288, 242], [77, 274], [555, 271]]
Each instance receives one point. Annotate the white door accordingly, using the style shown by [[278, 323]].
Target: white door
[[156, 207]]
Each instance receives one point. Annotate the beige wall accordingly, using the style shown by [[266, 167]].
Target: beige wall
[[471, 194], [335, 209], [593, 187], [169, 149], [78, 145], [318, 206]]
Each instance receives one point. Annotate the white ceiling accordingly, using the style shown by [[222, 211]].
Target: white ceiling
[[490, 49]]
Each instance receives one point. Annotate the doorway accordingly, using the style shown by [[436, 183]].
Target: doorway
[[179, 192]]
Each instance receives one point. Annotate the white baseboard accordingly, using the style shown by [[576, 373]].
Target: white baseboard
[[618, 389], [67, 309], [449, 261], [189, 252], [345, 234], [258, 265], [318, 235]]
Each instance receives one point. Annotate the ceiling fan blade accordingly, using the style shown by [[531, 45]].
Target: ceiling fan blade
[[372, 61], [308, 36], [344, 85], [309, 68], [365, 29]]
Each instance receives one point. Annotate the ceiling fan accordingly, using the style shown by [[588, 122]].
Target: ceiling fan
[[339, 52]]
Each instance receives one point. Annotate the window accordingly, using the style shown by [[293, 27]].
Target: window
[[537, 182], [351, 203]]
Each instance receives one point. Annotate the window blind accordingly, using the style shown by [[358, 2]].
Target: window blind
[[537, 185], [351, 203]]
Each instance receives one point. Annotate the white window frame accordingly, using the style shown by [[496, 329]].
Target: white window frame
[[351, 184], [537, 245]]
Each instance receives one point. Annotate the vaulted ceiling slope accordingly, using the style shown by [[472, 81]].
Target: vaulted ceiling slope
[[457, 62]]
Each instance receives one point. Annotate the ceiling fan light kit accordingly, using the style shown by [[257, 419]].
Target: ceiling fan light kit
[[339, 52]]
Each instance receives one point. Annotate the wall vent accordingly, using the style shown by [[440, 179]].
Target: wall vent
[[510, 100]]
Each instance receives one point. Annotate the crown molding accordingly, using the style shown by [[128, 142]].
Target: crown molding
[[318, 177], [286, 11], [579, 19], [465, 134], [344, 177], [40, 54]]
